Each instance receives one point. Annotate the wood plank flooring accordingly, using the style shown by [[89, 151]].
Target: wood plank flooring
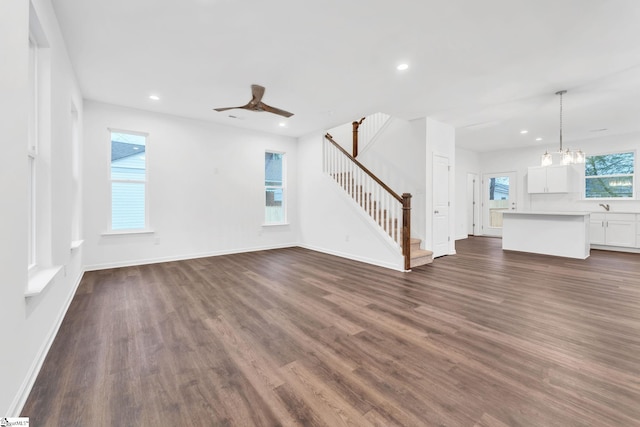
[[292, 337]]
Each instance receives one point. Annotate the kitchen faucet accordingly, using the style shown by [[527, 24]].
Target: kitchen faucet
[[606, 207]]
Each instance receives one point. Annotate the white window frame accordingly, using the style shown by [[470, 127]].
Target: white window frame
[[31, 212], [40, 267], [76, 224], [146, 228], [633, 176], [32, 153], [283, 187]]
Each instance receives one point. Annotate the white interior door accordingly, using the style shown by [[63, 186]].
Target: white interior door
[[499, 195], [440, 218]]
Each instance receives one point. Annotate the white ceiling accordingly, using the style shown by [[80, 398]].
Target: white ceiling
[[490, 68]]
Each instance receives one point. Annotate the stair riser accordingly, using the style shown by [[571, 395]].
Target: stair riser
[[417, 262]]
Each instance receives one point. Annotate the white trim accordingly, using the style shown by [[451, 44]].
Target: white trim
[[275, 224], [125, 232], [389, 265], [615, 248], [76, 244], [32, 374], [132, 132], [40, 280], [185, 257]]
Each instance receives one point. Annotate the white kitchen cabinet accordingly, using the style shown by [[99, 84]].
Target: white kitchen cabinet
[[549, 179], [596, 229], [563, 234], [613, 229]]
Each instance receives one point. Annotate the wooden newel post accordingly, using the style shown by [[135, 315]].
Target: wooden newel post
[[406, 229], [356, 125]]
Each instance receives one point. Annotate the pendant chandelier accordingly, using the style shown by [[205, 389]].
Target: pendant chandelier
[[567, 157]]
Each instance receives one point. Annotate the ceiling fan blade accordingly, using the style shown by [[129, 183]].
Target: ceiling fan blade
[[225, 109], [256, 104], [275, 110], [257, 92], [249, 106]]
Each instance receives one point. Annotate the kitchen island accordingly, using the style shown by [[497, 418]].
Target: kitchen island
[[564, 234]]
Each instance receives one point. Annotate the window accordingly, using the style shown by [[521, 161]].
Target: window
[[609, 176], [128, 181], [31, 213], [32, 146], [40, 219], [274, 176]]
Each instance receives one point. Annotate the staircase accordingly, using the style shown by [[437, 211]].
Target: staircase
[[417, 256], [390, 211]]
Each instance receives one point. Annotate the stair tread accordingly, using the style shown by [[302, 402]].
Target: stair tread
[[415, 240]]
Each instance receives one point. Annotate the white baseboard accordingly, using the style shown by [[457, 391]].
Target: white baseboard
[[25, 389], [183, 257], [389, 265], [615, 248]]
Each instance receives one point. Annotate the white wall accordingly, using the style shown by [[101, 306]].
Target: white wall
[[343, 135], [466, 162], [518, 160], [205, 189], [397, 156], [330, 221], [440, 140], [29, 324]]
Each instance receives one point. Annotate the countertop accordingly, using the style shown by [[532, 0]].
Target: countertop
[[576, 213]]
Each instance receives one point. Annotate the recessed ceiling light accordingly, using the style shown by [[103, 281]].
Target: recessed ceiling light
[[524, 131], [282, 124], [402, 67], [154, 97], [538, 139]]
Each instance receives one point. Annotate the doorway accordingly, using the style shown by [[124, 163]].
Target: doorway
[[440, 220], [499, 195]]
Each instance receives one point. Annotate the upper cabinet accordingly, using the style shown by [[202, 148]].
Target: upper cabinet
[[549, 179]]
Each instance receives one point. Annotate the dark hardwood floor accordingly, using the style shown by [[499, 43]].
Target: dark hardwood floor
[[294, 337]]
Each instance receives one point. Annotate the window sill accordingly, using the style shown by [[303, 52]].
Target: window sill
[[275, 224], [126, 232], [610, 199], [40, 280], [75, 245]]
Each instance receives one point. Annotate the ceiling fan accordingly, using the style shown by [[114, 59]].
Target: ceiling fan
[[256, 103]]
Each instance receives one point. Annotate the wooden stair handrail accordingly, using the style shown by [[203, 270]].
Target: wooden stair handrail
[[406, 230], [405, 200], [356, 125], [367, 171]]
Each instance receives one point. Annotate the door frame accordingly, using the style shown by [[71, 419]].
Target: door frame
[[511, 204], [473, 204]]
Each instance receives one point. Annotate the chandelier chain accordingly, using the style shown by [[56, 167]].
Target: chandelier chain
[[567, 157], [562, 92]]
